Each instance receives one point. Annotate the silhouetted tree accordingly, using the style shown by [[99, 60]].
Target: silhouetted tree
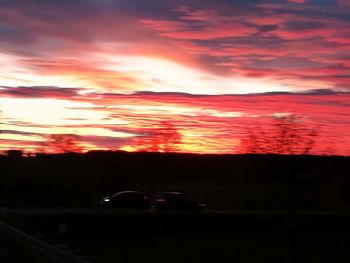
[[285, 135], [162, 138], [64, 143]]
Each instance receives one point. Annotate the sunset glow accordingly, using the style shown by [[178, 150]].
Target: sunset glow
[[178, 76]]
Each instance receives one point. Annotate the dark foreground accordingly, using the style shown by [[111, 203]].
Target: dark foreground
[[212, 236], [234, 182], [283, 186]]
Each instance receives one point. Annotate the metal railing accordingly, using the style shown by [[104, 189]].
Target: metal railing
[[17, 246]]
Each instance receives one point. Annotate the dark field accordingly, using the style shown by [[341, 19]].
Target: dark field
[[195, 237], [298, 206], [229, 182]]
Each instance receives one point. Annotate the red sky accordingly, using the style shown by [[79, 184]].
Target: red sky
[[189, 76]]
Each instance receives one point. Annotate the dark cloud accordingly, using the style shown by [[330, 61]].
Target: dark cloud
[[102, 101], [18, 123], [11, 33], [39, 92], [267, 28], [284, 63], [303, 25], [16, 132]]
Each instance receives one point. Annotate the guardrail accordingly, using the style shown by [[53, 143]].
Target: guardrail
[[17, 246]]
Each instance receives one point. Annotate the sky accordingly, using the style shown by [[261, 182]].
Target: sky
[[223, 76]]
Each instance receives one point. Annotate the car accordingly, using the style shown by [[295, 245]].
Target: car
[[176, 201], [126, 199]]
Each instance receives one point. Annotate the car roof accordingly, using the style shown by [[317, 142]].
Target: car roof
[[127, 192], [169, 193]]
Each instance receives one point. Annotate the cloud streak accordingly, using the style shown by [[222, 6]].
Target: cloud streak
[[205, 123]]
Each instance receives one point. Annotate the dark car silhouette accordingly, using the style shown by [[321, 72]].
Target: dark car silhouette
[[167, 201], [126, 199]]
